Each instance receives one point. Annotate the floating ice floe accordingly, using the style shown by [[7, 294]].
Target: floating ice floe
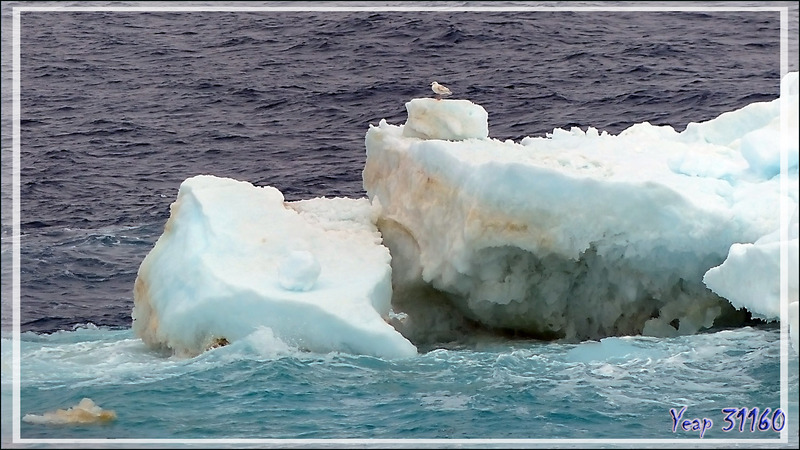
[[235, 259], [579, 235], [85, 412]]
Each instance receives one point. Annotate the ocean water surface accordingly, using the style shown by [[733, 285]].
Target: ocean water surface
[[260, 389], [118, 108]]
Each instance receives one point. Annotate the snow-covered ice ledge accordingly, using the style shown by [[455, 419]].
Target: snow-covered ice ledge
[[581, 234]]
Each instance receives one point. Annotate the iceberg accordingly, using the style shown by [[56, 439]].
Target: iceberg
[[577, 235], [235, 260]]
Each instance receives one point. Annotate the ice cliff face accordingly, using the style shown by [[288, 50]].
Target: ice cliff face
[[578, 235]]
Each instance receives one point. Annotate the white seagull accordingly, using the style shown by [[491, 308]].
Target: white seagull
[[440, 90]]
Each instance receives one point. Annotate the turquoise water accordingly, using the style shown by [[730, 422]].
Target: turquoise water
[[259, 388]]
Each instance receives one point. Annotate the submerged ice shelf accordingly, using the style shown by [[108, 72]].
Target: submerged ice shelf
[[577, 235]]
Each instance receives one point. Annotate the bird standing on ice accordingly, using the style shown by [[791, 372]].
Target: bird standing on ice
[[440, 90]]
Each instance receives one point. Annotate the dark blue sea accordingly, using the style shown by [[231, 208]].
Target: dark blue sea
[[119, 107]]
